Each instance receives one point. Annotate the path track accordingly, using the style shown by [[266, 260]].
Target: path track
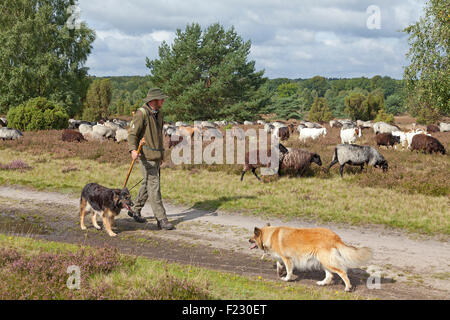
[[419, 266]]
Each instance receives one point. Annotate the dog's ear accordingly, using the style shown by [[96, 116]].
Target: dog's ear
[[257, 232], [116, 197]]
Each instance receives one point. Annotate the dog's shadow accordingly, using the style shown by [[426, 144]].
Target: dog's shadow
[[357, 277]]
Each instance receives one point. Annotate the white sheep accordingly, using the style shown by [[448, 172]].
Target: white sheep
[[104, 131], [311, 133], [93, 136], [383, 127], [121, 135], [10, 134], [113, 126], [444, 127], [402, 136], [348, 136]]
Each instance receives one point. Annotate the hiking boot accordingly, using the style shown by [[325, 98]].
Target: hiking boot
[[165, 224], [136, 216]]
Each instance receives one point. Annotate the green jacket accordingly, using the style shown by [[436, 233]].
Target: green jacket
[[150, 128]]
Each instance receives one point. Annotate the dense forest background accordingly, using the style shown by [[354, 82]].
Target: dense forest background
[[285, 98]]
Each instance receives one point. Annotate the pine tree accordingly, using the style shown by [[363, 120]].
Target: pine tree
[[207, 76], [42, 56]]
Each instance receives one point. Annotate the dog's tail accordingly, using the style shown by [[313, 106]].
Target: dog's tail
[[352, 257]]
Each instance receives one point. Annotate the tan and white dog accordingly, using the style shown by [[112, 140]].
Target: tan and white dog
[[304, 249]]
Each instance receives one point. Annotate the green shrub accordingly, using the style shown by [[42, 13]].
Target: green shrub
[[384, 117], [319, 111], [428, 116], [37, 114], [91, 114]]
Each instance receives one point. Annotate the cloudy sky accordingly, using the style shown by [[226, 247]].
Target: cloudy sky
[[290, 38]]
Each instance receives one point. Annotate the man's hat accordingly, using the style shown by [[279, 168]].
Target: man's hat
[[154, 94]]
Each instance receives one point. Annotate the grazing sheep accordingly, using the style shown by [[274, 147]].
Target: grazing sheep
[[364, 124], [268, 127], [70, 135], [312, 125], [356, 155], [93, 136], [188, 131], [433, 128], [282, 133], [383, 127], [299, 160], [174, 140], [83, 128], [121, 135], [10, 134], [238, 133], [428, 144], [207, 124], [349, 135], [300, 127], [104, 131], [347, 123], [278, 124], [410, 135], [261, 122], [402, 137], [209, 133], [169, 130], [181, 124], [311, 133], [113, 126], [444, 127], [291, 127], [121, 123], [249, 166], [386, 139], [335, 124], [248, 123]]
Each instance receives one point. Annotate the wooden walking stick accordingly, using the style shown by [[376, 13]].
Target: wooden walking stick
[[132, 163]]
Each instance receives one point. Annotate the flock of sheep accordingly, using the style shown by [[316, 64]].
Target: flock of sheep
[[297, 160], [347, 152]]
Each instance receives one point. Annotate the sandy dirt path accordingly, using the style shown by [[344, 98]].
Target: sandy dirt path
[[410, 266]]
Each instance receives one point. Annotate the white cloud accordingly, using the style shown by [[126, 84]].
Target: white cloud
[[296, 38]]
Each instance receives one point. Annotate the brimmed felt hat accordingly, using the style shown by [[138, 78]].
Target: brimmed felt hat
[[154, 94]]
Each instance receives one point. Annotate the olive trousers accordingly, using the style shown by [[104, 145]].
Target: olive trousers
[[150, 189]]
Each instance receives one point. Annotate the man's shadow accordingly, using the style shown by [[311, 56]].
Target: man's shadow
[[205, 208], [197, 210]]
